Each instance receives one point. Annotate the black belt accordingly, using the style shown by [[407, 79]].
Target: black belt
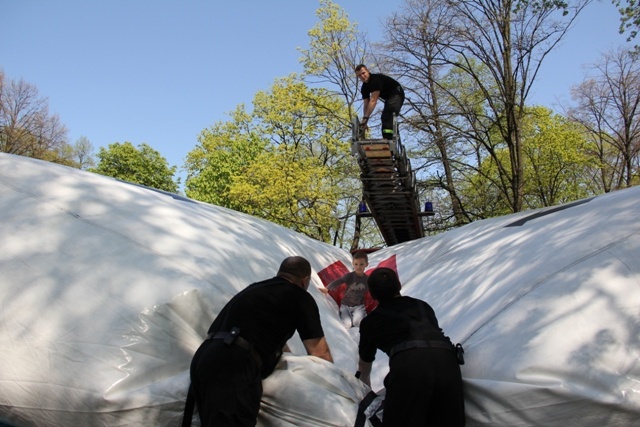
[[239, 341], [419, 344]]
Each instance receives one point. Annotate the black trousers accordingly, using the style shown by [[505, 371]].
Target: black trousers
[[226, 384], [424, 388], [392, 105]]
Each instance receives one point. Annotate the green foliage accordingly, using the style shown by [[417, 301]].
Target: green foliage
[[539, 6], [62, 155], [328, 39], [556, 165], [287, 161], [295, 115], [335, 48], [142, 165], [225, 151], [556, 157], [290, 191], [629, 16]]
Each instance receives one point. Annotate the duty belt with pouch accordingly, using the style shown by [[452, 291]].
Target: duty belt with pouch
[[406, 345], [229, 338], [233, 337]]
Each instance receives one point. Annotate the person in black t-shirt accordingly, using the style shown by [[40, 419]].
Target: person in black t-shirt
[[381, 86], [246, 340], [424, 383]]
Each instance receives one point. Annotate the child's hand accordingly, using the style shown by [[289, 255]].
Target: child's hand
[[324, 290]]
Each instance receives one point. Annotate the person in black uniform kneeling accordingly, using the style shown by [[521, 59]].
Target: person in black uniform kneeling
[[424, 383], [246, 340]]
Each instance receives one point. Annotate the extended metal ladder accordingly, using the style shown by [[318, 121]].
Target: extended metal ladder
[[389, 186]]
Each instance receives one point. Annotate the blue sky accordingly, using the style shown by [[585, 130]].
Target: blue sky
[[161, 71]]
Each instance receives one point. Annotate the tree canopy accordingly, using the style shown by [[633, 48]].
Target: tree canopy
[[142, 165], [629, 17], [26, 126], [286, 161], [493, 49], [608, 109]]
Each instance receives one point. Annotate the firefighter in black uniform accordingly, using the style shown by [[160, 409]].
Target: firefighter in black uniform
[[380, 86], [245, 342], [424, 383]]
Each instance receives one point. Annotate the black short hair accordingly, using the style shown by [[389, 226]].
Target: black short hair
[[296, 266], [384, 284], [360, 67]]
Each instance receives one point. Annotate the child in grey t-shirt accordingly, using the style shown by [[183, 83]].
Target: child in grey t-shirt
[[352, 308]]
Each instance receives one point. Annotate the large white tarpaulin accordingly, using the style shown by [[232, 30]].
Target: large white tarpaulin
[[107, 289]]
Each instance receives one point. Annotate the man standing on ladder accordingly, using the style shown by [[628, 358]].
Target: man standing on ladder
[[376, 86]]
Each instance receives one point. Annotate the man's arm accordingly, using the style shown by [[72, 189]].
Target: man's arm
[[318, 347], [370, 104], [365, 371]]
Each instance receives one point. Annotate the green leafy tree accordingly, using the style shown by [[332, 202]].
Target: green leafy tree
[[287, 161], [142, 165], [224, 152], [335, 48], [556, 167], [556, 158], [481, 193], [301, 122], [629, 17], [289, 191]]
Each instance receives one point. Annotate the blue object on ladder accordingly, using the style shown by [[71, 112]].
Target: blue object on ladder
[[428, 207]]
